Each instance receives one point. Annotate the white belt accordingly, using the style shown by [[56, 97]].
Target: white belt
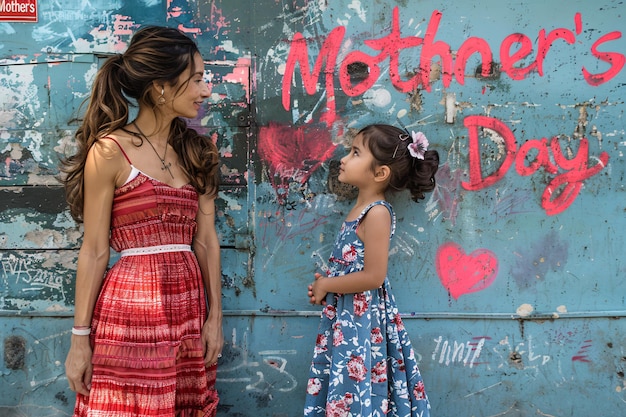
[[149, 250]]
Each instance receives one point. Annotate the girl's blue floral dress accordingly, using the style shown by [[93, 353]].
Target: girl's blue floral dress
[[363, 363]]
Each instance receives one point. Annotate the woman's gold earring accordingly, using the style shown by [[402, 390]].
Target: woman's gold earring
[[161, 99]]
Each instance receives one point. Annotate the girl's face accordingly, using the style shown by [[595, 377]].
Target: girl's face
[[191, 91], [356, 167]]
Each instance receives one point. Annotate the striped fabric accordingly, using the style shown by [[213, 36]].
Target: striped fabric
[[147, 352]]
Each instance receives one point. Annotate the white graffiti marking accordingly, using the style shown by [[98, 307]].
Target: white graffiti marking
[[455, 352]]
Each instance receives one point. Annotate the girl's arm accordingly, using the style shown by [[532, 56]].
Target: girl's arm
[[102, 167], [207, 249], [374, 230]]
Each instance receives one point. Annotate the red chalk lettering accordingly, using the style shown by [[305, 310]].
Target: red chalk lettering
[[431, 48], [542, 159], [614, 58], [515, 59], [544, 44], [508, 61], [554, 200], [468, 48], [561, 191], [390, 46], [298, 54], [578, 23], [473, 123]]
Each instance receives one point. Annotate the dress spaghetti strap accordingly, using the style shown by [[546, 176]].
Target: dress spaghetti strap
[[121, 149], [134, 172]]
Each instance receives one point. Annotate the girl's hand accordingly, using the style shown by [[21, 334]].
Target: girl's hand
[[316, 294], [212, 342], [78, 367]]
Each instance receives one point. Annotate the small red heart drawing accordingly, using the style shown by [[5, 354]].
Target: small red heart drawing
[[463, 274]]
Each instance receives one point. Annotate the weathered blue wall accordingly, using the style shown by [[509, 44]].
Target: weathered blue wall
[[509, 275]]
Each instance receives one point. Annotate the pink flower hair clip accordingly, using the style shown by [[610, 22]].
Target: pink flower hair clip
[[418, 148]]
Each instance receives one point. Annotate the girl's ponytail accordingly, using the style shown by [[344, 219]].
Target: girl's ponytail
[[422, 178]]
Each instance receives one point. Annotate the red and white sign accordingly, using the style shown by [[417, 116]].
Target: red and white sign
[[18, 10]]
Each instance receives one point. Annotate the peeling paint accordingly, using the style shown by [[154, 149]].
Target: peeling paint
[[524, 310]]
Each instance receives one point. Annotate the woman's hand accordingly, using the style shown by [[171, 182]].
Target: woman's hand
[[316, 294], [78, 367], [212, 342]]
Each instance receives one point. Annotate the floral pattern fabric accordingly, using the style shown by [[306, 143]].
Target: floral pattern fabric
[[363, 362]]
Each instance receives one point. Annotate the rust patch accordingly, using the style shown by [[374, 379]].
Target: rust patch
[[581, 125], [494, 72], [341, 190], [14, 352], [415, 100], [515, 360]]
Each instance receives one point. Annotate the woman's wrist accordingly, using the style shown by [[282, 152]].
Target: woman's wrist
[[81, 330]]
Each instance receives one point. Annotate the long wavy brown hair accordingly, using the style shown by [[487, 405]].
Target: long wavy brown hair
[[154, 54]]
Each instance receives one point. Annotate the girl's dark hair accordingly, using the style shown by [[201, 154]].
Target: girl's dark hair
[[154, 54], [386, 145]]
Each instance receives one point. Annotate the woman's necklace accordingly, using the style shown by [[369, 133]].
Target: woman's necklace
[[165, 166]]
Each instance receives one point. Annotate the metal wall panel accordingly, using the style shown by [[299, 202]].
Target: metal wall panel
[[509, 275]]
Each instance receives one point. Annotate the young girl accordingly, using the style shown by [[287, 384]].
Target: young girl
[[363, 363]]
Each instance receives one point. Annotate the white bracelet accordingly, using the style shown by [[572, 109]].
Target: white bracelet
[[81, 332]]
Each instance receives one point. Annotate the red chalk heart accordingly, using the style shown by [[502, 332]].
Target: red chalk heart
[[463, 274], [294, 152]]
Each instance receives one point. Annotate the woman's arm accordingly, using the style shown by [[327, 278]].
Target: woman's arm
[[374, 230], [207, 249], [101, 171]]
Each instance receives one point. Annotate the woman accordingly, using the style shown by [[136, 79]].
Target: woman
[[143, 343]]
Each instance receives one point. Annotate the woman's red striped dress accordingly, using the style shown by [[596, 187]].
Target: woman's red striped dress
[[147, 352]]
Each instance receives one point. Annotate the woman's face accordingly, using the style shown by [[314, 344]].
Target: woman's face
[[191, 91]]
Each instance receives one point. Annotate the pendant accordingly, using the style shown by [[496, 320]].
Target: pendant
[[167, 167]]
